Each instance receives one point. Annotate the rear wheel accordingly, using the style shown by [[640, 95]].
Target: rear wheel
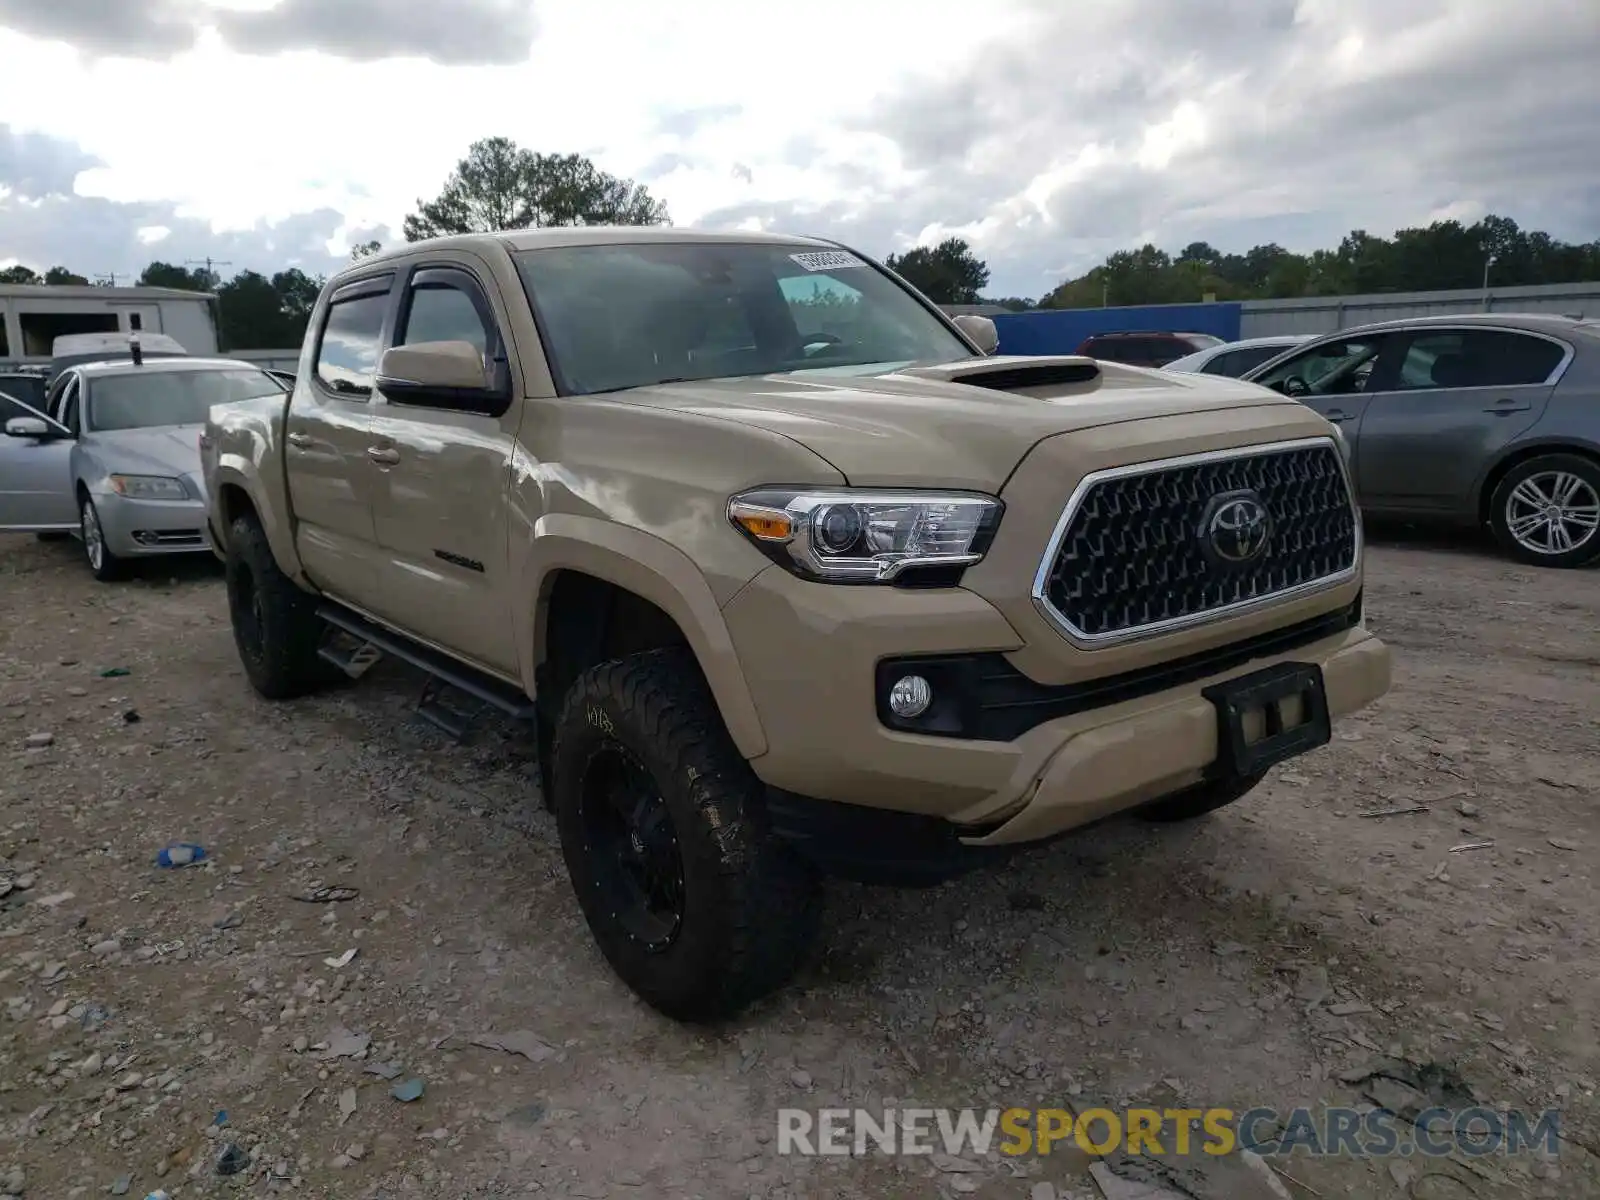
[[1199, 800], [105, 565], [275, 624], [693, 902], [1546, 511]]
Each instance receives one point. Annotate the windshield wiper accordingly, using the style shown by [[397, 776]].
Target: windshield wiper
[[628, 387]]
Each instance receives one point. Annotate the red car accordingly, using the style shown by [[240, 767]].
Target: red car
[[1145, 348]]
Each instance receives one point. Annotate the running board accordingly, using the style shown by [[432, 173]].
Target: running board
[[444, 672]]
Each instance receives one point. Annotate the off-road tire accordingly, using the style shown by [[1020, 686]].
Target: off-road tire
[[1199, 800], [278, 640], [750, 908], [110, 568], [1573, 464]]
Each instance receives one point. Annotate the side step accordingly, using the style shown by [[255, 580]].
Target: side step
[[444, 673]]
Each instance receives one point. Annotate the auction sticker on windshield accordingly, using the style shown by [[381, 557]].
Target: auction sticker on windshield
[[827, 260]]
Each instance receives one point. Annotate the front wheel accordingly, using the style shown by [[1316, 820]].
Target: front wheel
[[1199, 800], [105, 566], [693, 902], [1546, 511]]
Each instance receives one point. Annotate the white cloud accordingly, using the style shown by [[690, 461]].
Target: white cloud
[[1046, 132]]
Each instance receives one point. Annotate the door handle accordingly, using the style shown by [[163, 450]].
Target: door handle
[[1336, 415], [1507, 406], [387, 458], [302, 441]]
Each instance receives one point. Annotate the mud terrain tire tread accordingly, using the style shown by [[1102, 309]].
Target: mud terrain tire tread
[[286, 664], [752, 908], [1199, 800]]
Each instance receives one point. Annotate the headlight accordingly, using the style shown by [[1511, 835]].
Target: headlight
[[148, 487], [866, 537]]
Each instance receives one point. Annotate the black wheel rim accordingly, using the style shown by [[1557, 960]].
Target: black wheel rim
[[248, 618], [633, 849]]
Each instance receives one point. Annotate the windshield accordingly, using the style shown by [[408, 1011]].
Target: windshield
[[150, 399], [631, 315]]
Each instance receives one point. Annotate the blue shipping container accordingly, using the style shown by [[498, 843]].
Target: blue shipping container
[[1062, 330]]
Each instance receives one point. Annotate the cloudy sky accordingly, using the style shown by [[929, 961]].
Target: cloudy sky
[[268, 133]]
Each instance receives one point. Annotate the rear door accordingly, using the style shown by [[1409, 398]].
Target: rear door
[[1456, 398], [35, 476], [328, 435]]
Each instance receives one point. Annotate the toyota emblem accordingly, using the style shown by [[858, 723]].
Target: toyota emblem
[[1236, 528]]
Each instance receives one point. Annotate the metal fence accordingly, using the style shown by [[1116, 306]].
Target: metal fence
[[1325, 314]]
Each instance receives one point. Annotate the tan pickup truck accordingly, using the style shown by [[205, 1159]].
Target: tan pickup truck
[[789, 573]]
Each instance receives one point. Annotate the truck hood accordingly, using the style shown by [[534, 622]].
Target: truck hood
[[959, 425]]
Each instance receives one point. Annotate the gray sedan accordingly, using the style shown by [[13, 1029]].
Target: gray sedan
[[115, 457], [1484, 419]]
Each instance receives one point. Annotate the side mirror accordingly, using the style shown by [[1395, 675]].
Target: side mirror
[[981, 330], [29, 427], [439, 374]]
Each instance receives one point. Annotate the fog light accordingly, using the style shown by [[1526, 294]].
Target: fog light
[[910, 697]]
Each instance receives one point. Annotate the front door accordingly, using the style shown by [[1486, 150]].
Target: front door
[[439, 503], [35, 476], [1457, 397], [1334, 378], [328, 434]]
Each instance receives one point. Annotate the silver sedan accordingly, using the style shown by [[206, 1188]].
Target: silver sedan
[[115, 458]]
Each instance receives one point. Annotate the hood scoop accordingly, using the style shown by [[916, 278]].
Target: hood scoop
[[1016, 374]]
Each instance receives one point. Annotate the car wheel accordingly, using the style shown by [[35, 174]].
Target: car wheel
[[1199, 800], [694, 903], [105, 565], [275, 624], [1546, 511]]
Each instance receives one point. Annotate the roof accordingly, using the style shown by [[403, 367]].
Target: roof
[[1549, 323], [46, 291], [125, 366], [587, 235]]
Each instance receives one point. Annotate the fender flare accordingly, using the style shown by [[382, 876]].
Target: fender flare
[[234, 470], [654, 569]]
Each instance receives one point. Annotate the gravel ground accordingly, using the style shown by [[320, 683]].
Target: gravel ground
[[155, 1017]]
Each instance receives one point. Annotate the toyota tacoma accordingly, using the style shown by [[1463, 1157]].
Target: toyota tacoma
[[789, 573]]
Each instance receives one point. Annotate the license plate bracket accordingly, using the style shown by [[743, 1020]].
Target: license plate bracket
[[1265, 692]]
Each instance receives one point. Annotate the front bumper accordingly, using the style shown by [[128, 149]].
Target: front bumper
[[828, 741], [137, 528]]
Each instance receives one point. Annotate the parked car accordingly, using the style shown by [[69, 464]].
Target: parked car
[[1233, 359], [1484, 419], [1138, 348], [114, 456], [783, 588]]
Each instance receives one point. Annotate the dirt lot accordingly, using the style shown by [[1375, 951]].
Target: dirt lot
[[1262, 957]]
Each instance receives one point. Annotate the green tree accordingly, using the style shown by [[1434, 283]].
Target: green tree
[[365, 250], [949, 273], [251, 315], [168, 275], [500, 185], [61, 277], [299, 293], [19, 274]]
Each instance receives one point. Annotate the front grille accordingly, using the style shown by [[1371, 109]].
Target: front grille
[[1133, 554]]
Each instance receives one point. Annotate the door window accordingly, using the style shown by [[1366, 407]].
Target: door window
[[442, 312], [1234, 363], [1454, 358], [1341, 367], [69, 406], [347, 354]]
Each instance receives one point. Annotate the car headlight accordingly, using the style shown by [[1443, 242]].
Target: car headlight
[[148, 487], [849, 536]]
